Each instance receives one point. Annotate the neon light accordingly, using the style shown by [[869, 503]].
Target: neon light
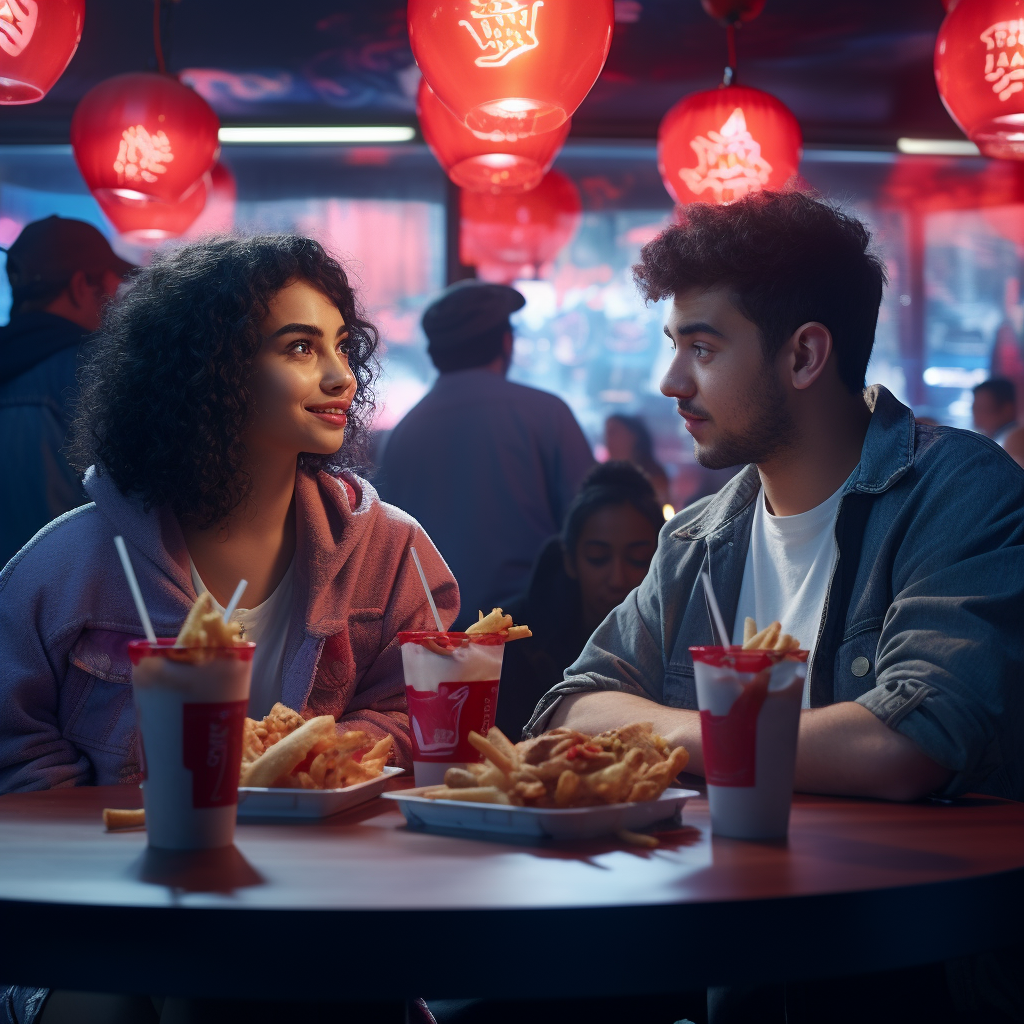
[[141, 156], [17, 25], [729, 162], [506, 26]]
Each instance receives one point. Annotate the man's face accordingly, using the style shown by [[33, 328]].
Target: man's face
[[732, 400], [990, 415]]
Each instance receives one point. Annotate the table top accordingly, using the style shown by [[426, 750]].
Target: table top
[[860, 885]]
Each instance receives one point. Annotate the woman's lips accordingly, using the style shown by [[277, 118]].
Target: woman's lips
[[335, 415]]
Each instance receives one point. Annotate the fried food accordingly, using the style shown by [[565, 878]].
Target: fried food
[[115, 818], [771, 638], [496, 621], [285, 751], [205, 626], [566, 768]]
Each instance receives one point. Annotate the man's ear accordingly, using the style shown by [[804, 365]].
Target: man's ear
[[80, 290], [809, 348], [569, 565]]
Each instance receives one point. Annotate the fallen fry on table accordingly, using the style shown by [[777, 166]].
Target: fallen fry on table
[[115, 819]]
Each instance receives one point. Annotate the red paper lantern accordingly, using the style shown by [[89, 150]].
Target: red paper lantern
[[144, 137], [512, 236], [517, 67], [720, 145], [146, 222], [483, 163], [37, 40], [979, 70]]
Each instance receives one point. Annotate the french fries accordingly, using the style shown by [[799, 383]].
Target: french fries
[[115, 819], [205, 626], [496, 621], [565, 768], [771, 638], [285, 751]]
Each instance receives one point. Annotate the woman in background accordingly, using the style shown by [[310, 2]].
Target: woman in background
[[628, 439], [605, 549]]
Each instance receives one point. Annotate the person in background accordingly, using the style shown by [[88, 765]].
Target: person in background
[[627, 438], [995, 408], [604, 551], [62, 273], [487, 466]]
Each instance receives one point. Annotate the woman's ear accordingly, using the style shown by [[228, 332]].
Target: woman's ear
[[569, 563]]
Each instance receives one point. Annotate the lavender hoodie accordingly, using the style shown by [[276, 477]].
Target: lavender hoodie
[[66, 616]]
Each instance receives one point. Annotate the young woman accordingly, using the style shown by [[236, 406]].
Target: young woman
[[227, 396], [607, 543]]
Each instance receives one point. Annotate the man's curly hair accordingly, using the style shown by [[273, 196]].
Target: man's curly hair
[[165, 394], [788, 258]]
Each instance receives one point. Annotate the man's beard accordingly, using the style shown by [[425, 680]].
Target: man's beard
[[770, 431]]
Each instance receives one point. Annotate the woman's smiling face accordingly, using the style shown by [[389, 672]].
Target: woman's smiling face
[[302, 385]]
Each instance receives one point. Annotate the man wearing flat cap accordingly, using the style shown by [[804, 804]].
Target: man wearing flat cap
[[488, 467], [62, 272]]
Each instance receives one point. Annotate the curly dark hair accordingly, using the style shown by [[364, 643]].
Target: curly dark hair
[[610, 483], [165, 393], [789, 258]]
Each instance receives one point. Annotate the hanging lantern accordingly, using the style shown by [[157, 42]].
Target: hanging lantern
[[507, 237], [485, 163], [516, 67], [37, 40], [143, 222], [218, 215], [143, 137], [979, 70], [720, 145]]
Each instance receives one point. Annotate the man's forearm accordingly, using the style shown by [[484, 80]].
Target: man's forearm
[[842, 750]]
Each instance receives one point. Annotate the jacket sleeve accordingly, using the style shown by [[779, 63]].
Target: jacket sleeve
[[33, 753], [950, 655], [626, 653], [378, 704]]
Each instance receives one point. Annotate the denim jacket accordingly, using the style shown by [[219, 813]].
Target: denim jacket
[[924, 616]]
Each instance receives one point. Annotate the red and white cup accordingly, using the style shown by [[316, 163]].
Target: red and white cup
[[191, 705], [749, 705], [449, 696]]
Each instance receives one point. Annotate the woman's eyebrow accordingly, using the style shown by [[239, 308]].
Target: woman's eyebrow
[[298, 329]]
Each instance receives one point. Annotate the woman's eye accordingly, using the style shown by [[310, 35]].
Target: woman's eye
[[598, 563], [300, 347]]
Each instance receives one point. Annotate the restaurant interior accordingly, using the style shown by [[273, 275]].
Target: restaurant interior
[[354, 123]]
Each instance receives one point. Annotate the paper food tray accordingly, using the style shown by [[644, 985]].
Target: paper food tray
[[255, 802], [537, 822]]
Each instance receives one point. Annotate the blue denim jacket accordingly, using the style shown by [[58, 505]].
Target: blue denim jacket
[[924, 615]]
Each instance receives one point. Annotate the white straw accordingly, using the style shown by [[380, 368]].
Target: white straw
[[430, 596], [235, 598], [133, 585], [715, 612]]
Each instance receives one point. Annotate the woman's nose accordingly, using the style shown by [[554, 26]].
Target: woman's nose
[[338, 375]]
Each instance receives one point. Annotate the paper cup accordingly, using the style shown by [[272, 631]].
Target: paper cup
[[749, 705], [449, 696], [191, 705]]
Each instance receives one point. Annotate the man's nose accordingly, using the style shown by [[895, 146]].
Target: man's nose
[[678, 381]]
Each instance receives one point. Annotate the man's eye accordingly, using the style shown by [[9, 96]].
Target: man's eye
[[701, 350]]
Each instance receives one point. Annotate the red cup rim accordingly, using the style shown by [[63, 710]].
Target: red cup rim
[[139, 649], [445, 638], [744, 661]]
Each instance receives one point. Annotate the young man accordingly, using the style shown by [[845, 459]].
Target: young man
[[893, 551]]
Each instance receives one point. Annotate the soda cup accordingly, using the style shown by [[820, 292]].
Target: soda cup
[[451, 685], [191, 704], [749, 705]]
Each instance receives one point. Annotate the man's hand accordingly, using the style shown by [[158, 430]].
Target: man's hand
[[842, 750]]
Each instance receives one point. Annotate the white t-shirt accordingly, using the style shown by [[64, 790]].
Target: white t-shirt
[[266, 625], [788, 569]]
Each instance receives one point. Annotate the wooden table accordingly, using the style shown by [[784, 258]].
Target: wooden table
[[360, 906]]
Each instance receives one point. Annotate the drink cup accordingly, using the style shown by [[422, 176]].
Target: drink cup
[[749, 705], [450, 695], [191, 704]]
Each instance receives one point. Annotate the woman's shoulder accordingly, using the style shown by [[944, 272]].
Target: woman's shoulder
[[55, 552]]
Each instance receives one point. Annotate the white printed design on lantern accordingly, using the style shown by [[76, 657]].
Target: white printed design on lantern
[[141, 156], [1004, 62], [507, 27], [17, 25], [728, 161]]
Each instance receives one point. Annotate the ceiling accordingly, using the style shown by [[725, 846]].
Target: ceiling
[[855, 72]]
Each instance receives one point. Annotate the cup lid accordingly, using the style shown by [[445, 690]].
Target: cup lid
[[450, 638], [164, 648], [736, 657]]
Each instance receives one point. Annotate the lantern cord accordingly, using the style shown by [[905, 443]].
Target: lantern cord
[[730, 42], [157, 44]]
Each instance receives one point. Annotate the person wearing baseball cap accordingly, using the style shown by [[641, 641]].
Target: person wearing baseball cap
[[487, 466], [61, 272]]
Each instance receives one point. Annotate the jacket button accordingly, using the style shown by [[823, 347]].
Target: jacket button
[[860, 667]]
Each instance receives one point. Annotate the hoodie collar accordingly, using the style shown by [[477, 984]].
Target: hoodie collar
[[887, 454]]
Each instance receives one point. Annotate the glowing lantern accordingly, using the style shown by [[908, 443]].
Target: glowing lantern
[[512, 236], [720, 145], [979, 69], [479, 162], [37, 40], [147, 222], [143, 137], [517, 67]]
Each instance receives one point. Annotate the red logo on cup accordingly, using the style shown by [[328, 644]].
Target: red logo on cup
[[729, 742], [212, 735], [441, 722]]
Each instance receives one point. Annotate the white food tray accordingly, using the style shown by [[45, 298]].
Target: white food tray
[[256, 802], [536, 822]]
